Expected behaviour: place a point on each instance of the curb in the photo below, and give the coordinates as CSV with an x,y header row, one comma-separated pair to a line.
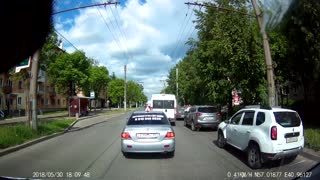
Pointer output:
x,y
29,143
309,154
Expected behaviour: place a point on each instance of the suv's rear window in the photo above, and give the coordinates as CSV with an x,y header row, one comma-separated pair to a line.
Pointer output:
x,y
287,119
148,119
208,109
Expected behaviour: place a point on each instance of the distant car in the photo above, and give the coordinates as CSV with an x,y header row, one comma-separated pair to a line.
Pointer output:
x,y
265,133
180,113
203,116
148,132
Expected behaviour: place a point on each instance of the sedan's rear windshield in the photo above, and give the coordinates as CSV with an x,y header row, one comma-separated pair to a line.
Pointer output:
x,y
208,109
148,119
287,119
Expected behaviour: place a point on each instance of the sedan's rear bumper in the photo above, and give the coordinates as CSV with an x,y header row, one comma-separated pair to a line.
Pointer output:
x,y
167,145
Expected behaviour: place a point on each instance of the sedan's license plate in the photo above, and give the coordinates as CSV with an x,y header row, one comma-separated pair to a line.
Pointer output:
x,y
209,118
292,139
148,135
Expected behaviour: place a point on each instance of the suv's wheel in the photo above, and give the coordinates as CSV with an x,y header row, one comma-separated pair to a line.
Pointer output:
x,y
221,140
254,157
193,127
185,123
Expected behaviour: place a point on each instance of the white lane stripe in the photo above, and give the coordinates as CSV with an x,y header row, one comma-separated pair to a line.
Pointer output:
x,y
297,163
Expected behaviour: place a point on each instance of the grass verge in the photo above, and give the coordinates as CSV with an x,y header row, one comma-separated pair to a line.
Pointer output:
x,y
18,134
312,138
118,111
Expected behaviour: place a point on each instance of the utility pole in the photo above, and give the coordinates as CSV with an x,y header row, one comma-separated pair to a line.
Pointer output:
x,y
164,85
177,76
33,89
270,75
267,54
125,88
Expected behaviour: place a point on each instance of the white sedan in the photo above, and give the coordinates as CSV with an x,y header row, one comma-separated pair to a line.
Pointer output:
x,y
148,132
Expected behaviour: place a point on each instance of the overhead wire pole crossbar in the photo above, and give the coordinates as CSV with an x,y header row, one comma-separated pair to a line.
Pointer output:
x,y
82,7
219,8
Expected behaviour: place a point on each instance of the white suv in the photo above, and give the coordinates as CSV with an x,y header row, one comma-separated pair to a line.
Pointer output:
x,y
264,133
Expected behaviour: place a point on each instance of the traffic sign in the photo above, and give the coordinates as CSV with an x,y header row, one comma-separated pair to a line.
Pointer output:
x,y
92,95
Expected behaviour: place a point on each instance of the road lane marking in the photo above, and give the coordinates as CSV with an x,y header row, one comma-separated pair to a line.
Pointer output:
x,y
297,163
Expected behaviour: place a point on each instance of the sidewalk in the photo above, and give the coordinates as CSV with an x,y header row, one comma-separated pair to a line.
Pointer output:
x,y
23,119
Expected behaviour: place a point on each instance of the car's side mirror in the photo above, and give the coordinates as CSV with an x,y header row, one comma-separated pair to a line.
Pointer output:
x,y
227,121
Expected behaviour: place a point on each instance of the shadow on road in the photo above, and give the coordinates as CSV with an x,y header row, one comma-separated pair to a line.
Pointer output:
x,y
147,156
242,156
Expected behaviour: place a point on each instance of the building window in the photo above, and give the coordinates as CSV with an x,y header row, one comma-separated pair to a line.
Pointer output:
x,y
0,101
20,84
64,102
19,100
1,81
58,101
9,82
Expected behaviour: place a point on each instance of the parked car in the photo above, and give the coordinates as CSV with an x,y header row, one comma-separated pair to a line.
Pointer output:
x,y
203,116
179,113
148,132
264,133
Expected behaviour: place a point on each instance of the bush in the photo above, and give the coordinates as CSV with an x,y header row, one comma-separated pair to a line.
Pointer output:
x,y
312,138
18,134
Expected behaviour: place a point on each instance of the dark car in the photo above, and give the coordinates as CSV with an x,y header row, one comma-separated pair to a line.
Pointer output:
x,y
203,116
179,113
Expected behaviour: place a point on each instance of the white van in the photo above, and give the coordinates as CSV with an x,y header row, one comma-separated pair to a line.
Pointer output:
x,y
166,103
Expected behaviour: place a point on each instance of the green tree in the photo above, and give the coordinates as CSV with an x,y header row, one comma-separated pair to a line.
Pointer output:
x,y
98,81
116,91
70,72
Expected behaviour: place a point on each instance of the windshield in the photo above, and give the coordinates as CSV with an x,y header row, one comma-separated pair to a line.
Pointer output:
x,y
148,119
78,76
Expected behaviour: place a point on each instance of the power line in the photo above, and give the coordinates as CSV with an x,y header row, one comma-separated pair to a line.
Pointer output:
x,y
105,22
174,52
66,39
189,35
121,33
181,32
124,35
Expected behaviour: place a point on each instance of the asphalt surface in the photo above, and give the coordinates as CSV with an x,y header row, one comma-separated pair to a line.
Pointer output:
x,y
91,150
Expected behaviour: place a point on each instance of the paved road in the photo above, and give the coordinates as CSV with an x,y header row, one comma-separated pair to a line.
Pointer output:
x,y
95,152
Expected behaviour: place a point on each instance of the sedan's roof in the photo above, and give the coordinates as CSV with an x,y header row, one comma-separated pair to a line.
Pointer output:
x,y
145,112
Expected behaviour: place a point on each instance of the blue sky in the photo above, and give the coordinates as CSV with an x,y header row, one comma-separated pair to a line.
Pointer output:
x,y
147,35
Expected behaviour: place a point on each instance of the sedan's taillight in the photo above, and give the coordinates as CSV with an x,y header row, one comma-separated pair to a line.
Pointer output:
x,y
125,135
198,114
274,133
170,135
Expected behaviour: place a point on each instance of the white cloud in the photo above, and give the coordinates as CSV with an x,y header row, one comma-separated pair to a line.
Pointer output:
x,y
151,31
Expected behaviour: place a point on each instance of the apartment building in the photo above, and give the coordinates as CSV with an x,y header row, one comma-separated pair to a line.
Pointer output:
x,y
13,94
